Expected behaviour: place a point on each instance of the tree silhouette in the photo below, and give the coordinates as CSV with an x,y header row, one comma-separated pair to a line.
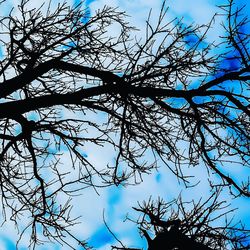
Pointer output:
x,y
62,68
189,225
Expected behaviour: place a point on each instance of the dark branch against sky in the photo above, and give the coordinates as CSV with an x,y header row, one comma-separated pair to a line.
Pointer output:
x,y
158,93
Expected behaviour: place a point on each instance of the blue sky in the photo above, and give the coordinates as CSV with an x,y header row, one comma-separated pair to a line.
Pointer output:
x,y
117,202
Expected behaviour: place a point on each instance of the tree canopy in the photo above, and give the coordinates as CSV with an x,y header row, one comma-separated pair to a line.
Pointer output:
x,y
187,225
166,99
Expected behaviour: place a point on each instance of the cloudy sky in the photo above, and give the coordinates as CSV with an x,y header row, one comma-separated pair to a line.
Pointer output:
x,y
117,202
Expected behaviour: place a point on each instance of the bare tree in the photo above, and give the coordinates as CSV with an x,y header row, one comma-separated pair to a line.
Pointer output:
x,y
157,93
189,225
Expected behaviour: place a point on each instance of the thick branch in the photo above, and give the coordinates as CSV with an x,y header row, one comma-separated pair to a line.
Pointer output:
x,y
229,76
10,109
